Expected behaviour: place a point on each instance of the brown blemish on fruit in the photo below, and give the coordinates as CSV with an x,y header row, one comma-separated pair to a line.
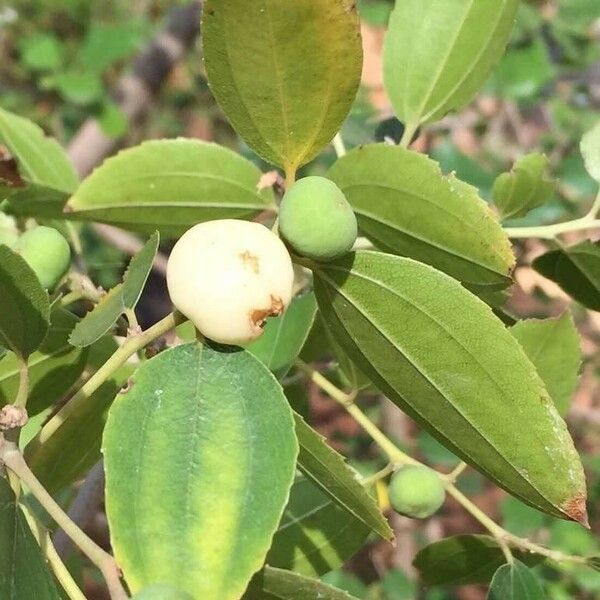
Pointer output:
x,y
575,508
259,316
250,262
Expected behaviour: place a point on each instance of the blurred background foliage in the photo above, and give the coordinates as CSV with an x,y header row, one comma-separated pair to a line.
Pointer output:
x,y
61,59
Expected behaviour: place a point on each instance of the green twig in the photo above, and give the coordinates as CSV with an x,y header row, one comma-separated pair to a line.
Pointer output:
x,y
550,232
290,176
23,392
456,472
58,567
13,460
339,146
382,474
132,319
505,540
82,283
119,358
72,297
408,134
395,455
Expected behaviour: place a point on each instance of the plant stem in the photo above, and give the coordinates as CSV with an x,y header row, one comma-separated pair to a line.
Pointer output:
x,y
58,567
505,539
549,232
339,146
395,455
290,176
498,532
555,555
23,392
408,134
456,472
382,474
71,297
83,284
119,358
13,459
132,319
593,212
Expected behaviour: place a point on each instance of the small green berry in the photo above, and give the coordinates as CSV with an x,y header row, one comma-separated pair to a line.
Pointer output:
x,y
316,220
416,492
47,253
161,592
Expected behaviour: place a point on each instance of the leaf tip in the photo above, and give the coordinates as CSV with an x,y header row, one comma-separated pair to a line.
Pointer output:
x,y
575,508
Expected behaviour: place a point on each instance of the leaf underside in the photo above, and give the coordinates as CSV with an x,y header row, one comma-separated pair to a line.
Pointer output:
x,y
468,382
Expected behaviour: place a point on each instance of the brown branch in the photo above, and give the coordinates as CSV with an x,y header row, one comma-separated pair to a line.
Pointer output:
x,y
135,91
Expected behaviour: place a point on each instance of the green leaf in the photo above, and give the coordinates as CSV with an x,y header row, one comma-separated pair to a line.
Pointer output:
x,y
327,469
467,381
523,72
590,150
468,169
79,87
123,297
349,582
520,519
350,374
526,187
593,562
41,160
406,206
398,586
315,535
42,52
113,120
170,185
576,269
37,201
277,584
554,347
74,447
515,582
106,43
53,369
439,53
284,336
23,571
25,314
190,461
284,73
464,560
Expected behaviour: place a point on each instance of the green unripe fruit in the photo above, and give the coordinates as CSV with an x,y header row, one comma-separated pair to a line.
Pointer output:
x,y
316,220
47,253
416,492
161,592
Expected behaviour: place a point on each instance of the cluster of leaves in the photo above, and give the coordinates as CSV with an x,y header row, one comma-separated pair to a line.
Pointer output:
x,y
202,447
63,60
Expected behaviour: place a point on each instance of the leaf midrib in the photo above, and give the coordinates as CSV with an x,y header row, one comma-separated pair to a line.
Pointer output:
x,y
443,395
437,207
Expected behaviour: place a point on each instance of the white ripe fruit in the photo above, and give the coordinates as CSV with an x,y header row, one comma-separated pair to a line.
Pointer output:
x,y
228,276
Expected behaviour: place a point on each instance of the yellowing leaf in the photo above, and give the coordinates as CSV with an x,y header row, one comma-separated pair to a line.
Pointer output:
x,y
285,73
